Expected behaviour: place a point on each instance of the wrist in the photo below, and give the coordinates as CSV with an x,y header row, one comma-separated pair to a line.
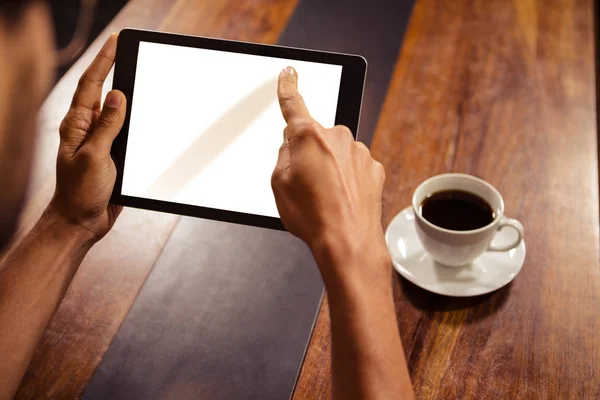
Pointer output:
x,y
357,276
352,262
63,229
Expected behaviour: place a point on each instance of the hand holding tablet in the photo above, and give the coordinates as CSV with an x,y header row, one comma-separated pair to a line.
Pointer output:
x,y
203,126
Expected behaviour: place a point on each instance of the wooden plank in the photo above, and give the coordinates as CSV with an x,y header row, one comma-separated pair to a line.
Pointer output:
x,y
372,28
503,90
114,271
314,381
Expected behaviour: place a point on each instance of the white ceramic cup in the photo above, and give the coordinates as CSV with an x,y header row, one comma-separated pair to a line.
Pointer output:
x,y
457,248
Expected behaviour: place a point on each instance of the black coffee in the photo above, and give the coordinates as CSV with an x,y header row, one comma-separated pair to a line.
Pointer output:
x,y
457,210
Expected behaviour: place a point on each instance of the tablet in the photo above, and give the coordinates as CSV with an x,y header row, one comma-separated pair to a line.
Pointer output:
x,y
203,125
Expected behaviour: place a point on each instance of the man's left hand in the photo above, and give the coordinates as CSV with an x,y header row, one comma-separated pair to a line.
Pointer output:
x,y
85,171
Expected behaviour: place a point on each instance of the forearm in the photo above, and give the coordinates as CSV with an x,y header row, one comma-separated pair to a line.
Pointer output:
x,y
33,281
367,357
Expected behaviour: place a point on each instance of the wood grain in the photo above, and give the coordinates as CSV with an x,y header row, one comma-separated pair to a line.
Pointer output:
x,y
114,271
503,90
314,381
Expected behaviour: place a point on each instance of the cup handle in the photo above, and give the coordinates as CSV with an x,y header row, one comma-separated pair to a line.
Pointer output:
x,y
512,223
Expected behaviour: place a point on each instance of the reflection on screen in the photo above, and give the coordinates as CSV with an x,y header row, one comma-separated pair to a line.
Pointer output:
x,y
206,128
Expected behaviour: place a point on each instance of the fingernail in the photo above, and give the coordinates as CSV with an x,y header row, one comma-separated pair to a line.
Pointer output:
x,y
289,70
113,100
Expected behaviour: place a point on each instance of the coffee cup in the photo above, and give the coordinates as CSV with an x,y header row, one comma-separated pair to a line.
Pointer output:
x,y
456,248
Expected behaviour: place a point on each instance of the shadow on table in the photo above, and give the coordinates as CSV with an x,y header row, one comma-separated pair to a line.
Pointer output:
x,y
481,306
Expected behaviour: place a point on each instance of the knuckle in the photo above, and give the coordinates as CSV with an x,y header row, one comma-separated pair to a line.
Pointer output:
x,y
288,78
276,178
102,56
287,98
107,120
288,131
74,120
342,134
345,131
360,146
86,155
63,127
380,169
306,128
285,146
88,79
295,177
291,180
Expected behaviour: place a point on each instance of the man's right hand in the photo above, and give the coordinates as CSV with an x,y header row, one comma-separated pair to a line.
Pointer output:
x,y
327,186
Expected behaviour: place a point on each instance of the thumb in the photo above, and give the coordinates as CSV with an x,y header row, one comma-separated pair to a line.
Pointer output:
x,y
110,121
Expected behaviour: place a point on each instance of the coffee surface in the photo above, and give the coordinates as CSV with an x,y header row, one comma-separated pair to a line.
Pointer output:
x,y
457,210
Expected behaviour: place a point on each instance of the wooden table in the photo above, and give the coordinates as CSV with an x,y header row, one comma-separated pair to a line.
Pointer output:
x,y
500,89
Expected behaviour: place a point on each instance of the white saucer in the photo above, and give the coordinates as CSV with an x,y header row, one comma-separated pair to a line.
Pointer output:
x,y
491,271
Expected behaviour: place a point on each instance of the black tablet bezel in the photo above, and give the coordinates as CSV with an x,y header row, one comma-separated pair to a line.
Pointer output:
x,y
347,113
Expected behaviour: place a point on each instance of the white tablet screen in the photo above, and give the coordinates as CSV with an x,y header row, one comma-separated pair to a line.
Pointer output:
x,y
205,125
